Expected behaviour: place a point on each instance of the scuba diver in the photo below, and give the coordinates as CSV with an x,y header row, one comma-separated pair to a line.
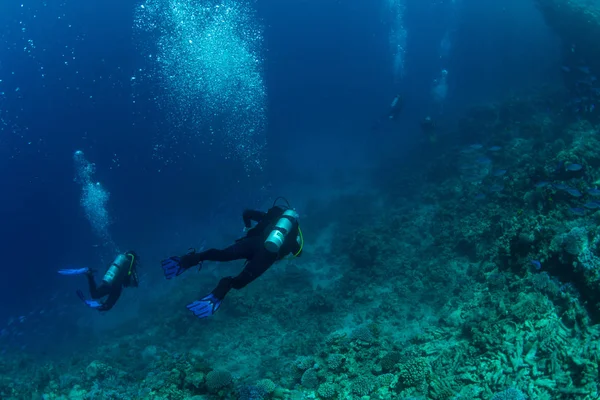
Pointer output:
x,y
396,107
276,235
121,273
428,128
393,114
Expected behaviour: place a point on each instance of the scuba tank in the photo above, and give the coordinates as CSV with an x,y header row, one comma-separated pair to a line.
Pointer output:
x,y
280,231
121,263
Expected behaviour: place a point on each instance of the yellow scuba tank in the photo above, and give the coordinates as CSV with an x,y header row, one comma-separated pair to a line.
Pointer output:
x,y
119,264
280,231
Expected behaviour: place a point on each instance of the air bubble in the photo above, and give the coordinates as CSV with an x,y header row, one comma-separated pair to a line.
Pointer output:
x,y
219,77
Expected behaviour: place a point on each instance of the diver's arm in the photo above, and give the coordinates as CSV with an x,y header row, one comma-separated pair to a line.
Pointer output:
x,y
112,299
252,215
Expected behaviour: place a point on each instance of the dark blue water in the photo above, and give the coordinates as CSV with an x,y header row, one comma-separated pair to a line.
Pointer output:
x,y
328,79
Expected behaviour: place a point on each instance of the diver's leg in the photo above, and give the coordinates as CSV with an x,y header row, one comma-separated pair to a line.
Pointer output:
x,y
209,304
253,269
244,249
97,291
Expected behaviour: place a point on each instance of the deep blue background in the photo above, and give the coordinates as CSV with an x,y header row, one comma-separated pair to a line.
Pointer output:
x,y
328,73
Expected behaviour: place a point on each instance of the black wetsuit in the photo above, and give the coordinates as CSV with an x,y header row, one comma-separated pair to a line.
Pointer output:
x,y
112,291
113,288
251,248
396,107
393,114
428,128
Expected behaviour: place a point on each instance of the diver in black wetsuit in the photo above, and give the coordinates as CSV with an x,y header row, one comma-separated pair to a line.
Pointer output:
x,y
276,235
429,128
396,107
393,114
120,274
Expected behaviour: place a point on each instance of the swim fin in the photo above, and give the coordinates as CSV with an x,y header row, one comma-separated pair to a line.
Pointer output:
x,y
89,303
205,307
173,267
78,271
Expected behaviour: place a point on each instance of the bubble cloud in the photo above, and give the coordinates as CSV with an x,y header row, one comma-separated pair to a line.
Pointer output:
x,y
206,60
94,199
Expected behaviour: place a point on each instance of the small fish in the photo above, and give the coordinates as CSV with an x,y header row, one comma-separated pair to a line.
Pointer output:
x,y
499,172
594,192
573,167
574,192
565,68
484,160
476,146
577,211
480,196
592,205
536,264
496,188
542,184
561,186
495,148
585,70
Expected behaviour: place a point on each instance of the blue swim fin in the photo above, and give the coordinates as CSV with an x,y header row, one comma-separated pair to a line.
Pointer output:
x,y
172,267
78,271
89,303
205,307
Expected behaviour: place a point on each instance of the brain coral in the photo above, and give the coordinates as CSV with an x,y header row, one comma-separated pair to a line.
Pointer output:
x,y
309,379
218,379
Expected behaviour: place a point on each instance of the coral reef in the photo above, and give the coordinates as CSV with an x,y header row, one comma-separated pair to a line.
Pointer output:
x,y
478,279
